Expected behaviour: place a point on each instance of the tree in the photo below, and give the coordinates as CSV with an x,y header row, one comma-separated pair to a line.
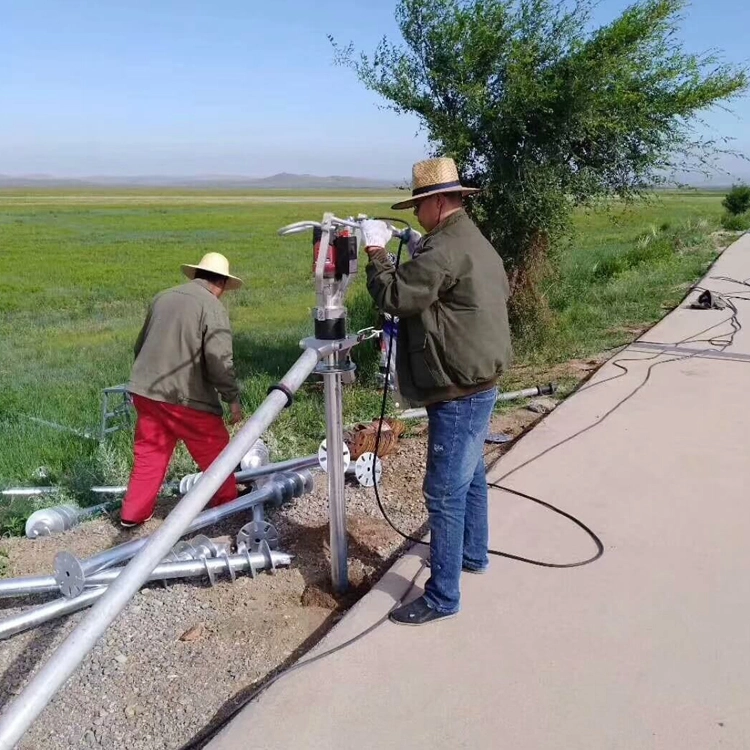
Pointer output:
x,y
737,200
544,113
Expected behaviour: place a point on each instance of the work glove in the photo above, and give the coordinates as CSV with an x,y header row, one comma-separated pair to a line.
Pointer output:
x,y
375,233
413,242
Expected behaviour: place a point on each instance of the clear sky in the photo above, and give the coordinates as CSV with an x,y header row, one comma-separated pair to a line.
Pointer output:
x,y
195,87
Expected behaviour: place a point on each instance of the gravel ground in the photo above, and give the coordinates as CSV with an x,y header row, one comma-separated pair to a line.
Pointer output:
x,y
178,659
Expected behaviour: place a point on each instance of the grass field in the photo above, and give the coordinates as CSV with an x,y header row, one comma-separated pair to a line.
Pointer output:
x,y
77,272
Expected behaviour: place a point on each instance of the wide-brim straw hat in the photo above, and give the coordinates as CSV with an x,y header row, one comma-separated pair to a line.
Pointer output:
x,y
214,263
431,177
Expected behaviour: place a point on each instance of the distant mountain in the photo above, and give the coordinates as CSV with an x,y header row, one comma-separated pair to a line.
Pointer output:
x,y
282,181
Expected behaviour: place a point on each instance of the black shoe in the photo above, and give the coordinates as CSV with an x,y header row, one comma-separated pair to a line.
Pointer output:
x,y
417,612
475,571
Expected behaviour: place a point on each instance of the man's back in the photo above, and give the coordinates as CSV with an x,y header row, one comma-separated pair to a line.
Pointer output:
x,y
184,351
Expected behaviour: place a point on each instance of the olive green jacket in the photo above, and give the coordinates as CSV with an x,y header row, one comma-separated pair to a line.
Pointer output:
x,y
183,354
451,300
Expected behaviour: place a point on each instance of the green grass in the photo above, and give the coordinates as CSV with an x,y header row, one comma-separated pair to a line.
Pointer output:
x,y
76,276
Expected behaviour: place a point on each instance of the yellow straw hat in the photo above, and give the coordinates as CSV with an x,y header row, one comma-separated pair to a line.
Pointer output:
x,y
431,177
214,263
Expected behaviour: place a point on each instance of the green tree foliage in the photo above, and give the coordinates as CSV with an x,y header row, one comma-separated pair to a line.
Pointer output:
x,y
544,112
737,200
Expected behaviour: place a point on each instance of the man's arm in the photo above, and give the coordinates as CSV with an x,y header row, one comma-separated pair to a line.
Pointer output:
x,y
410,289
217,351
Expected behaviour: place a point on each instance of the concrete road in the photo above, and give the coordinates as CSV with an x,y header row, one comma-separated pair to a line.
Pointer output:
x,y
649,647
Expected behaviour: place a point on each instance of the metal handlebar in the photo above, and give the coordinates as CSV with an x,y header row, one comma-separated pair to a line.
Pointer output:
x,y
304,226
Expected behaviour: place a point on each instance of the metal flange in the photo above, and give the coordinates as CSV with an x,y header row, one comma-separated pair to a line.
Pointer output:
x,y
252,535
204,547
69,575
323,456
368,469
343,367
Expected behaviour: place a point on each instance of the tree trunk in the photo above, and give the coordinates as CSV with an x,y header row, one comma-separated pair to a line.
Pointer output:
x,y
529,308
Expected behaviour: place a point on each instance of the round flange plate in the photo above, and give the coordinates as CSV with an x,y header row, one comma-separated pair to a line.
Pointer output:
x,y
69,575
183,551
203,546
323,456
253,534
363,469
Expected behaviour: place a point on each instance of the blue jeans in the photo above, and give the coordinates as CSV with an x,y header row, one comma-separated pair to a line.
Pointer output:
x,y
455,490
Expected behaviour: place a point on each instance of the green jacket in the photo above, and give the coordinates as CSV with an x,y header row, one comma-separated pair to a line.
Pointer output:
x,y
183,354
454,338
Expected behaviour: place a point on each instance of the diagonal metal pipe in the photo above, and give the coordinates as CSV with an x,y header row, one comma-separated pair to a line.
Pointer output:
x,y
282,488
20,714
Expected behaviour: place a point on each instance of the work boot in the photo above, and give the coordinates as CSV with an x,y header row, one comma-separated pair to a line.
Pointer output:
x,y
417,612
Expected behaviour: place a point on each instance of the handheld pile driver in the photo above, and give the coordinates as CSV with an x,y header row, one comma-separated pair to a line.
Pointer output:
x,y
336,244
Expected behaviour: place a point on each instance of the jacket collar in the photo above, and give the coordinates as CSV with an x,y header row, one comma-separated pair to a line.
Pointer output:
x,y
202,283
449,222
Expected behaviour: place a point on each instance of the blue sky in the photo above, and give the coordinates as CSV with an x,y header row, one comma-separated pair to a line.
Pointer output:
x,y
230,86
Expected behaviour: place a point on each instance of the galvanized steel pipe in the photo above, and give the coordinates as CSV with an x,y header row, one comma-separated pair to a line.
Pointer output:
x,y
29,491
241,477
35,616
210,566
537,390
281,488
21,713
336,496
230,565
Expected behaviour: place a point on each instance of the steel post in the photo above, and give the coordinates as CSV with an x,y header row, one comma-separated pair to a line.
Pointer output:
x,y
35,616
335,459
537,390
21,713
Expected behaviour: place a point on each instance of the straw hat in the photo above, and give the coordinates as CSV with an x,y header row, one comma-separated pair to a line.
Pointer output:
x,y
215,263
432,177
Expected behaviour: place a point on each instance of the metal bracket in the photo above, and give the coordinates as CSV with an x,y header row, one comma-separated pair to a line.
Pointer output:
x,y
343,367
324,347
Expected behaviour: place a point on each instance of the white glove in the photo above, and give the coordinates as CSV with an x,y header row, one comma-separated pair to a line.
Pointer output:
x,y
375,233
414,243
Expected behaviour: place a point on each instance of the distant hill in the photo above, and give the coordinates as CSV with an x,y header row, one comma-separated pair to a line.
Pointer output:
x,y
282,181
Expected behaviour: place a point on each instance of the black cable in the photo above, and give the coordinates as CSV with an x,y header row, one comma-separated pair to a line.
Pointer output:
x,y
497,553
597,541
383,408
719,342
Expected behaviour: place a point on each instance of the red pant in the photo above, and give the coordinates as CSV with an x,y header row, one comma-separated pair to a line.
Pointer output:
x,y
157,430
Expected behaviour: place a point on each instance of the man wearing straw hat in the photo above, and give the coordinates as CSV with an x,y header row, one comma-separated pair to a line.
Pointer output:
x,y
183,363
454,342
